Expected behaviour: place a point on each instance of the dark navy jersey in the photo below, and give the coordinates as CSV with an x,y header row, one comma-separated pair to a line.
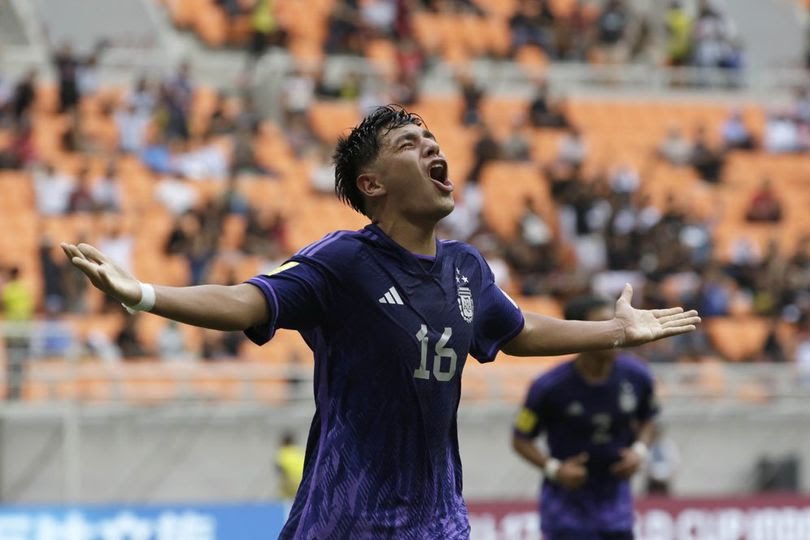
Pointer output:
x,y
600,419
390,332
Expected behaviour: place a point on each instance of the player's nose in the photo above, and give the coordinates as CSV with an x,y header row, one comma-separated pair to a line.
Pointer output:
x,y
430,148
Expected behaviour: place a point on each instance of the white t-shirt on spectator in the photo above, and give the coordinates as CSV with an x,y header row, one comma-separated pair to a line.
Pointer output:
x,y
118,249
52,192
132,128
176,195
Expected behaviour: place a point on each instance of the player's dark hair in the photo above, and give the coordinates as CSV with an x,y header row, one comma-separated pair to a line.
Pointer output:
x,y
356,151
581,307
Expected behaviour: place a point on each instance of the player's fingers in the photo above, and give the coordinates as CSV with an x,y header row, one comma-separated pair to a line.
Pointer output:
x,y
89,268
691,314
71,251
658,313
676,331
686,321
92,253
627,293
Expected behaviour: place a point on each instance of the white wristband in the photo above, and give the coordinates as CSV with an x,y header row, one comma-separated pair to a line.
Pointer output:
x,y
551,468
640,449
147,301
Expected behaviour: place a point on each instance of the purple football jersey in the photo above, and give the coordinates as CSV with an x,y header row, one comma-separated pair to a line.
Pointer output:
x,y
599,419
390,332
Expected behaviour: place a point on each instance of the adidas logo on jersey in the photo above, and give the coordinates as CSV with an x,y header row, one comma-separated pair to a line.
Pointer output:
x,y
391,297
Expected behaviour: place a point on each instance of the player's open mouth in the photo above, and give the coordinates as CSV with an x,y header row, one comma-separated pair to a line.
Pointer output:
x,y
438,173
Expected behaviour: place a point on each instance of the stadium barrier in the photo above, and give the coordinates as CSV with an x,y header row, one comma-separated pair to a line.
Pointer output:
x,y
762,517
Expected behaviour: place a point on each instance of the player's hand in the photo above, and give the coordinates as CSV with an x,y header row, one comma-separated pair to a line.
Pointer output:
x,y
641,325
628,465
103,273
572,472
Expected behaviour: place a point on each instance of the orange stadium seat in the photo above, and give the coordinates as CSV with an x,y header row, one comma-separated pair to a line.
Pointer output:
x,y
737,338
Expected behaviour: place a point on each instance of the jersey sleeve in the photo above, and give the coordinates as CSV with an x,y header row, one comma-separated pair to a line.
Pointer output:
x,y
497,318
529,420
297,295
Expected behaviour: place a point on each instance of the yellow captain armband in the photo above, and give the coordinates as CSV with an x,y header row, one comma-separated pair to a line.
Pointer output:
x,y
526,421
285,266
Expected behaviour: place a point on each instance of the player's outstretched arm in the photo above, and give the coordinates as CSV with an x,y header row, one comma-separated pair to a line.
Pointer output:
x,y
546,336
220,307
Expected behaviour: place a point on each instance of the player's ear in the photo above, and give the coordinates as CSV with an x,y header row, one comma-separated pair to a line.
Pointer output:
x,y
370,185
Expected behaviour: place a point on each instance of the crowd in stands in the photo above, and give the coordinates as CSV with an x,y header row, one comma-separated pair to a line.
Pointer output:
x,y
603,227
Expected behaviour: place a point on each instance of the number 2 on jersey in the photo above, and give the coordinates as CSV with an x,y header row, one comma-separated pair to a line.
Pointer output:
x,y
441,350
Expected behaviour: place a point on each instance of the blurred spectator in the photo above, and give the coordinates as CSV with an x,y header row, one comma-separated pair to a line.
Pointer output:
x,y
801,354
117,244
67,64
612,31
17,308
221,121
20,152
157,156
17,298
782,134
129,341
142,98
675,148
712,33
206,161
773,350
572,149
532,24
662,462
171,344
106,190
706,160
132,123
266,233
679,34
176,194
289,464
76,138
297,94
322,176
81,196
736,134
543,112
232,200
625,179
471,96
24,95
53,337
221,345
486,149
52,190
378,17
716,292
176,95
343,34
244,160
534,231
52,274
266,30
765,205
517,146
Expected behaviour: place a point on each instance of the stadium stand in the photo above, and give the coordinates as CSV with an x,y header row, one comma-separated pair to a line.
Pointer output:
x,y
280,211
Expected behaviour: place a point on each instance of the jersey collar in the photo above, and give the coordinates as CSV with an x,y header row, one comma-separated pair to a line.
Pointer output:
x,y
410,260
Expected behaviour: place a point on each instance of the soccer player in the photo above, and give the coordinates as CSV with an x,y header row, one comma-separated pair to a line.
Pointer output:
x,y
391,314
597,413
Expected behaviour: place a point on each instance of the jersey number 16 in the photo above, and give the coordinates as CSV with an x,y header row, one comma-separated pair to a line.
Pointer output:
x,y
442,351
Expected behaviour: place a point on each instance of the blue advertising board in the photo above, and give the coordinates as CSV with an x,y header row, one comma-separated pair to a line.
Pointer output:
x,y
159,522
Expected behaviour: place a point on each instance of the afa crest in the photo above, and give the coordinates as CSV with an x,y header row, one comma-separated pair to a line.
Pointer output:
x,y
465,300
